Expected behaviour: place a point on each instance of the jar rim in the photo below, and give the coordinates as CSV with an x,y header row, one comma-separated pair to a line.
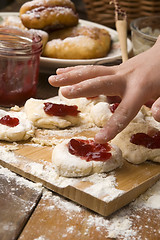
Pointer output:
x,y
19,42
134,26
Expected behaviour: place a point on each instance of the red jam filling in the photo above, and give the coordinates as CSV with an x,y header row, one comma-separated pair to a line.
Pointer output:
x,y
143,139
18,80
61,110
89,150
113,107
9,121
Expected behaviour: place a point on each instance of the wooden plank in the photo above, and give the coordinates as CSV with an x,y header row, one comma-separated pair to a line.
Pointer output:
x,y
56,218
18,199
132,179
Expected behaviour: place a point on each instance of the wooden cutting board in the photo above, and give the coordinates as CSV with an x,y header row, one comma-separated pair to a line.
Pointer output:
x,y
132,179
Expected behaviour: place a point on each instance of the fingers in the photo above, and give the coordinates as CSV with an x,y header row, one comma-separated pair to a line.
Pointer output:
x,y
156,110
67,69
126,111
73,75
106,85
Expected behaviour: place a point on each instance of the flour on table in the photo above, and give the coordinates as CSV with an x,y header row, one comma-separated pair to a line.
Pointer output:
x,y
98,189
151,199
23,131
19,180
119,225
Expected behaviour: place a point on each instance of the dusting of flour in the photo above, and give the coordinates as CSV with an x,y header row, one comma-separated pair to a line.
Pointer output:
x,y
119,225
104,186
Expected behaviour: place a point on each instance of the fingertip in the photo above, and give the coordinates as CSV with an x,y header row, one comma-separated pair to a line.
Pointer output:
x,y
60,70
51,79
67,91
101,138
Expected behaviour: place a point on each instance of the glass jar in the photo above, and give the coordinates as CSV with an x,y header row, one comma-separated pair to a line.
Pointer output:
x,y
144,33
19,65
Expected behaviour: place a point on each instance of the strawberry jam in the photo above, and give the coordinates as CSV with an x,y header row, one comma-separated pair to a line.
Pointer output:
x,y
113,107
89,150
9,121
61,110
143,139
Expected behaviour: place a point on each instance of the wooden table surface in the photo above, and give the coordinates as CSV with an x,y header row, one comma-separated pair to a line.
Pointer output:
x,y
30,212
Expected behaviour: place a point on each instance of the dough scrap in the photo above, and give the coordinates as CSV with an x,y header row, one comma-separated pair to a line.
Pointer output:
x,y
36,114
23,131
69,165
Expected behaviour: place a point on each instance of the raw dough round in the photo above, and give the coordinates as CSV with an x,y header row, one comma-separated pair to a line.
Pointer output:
x,y
36,114
69,165
135,153
23,131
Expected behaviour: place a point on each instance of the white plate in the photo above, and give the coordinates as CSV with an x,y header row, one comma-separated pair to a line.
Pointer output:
x,y
49,65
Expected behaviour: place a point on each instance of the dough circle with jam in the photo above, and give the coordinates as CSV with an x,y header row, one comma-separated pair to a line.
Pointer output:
x,y
69,165
133,153
34,109
23,131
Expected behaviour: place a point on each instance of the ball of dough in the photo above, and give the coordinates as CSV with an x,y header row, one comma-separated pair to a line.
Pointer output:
x,y
100,113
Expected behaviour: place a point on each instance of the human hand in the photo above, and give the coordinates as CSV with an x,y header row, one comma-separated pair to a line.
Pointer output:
x,y
135,81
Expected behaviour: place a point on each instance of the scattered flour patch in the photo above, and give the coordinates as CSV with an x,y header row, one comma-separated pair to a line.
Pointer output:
x,y
41,238
150,199
19,180
61,203
104,187
7,156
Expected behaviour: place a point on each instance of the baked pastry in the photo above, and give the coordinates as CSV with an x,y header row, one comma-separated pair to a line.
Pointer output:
x,y
79,42
48,14
13,21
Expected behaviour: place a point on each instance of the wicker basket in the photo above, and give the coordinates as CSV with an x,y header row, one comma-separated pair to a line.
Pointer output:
x,y
101,11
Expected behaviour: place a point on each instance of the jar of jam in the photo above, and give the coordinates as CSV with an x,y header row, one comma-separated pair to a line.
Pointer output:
x,y
19,65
